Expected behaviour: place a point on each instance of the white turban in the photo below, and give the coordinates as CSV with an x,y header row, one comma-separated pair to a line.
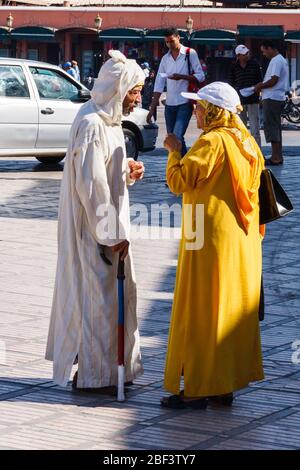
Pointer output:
x,y
219,93
116,77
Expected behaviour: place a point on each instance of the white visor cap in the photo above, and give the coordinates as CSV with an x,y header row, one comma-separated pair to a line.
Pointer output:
x,y
218,93
241,49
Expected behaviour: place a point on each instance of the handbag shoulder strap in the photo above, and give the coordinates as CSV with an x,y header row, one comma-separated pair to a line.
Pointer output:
x,y
187,52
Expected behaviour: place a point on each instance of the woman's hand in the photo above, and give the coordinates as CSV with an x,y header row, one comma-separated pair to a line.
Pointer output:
x,y
172,143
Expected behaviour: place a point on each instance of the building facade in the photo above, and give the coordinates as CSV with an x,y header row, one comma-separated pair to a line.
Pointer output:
x,y
56,33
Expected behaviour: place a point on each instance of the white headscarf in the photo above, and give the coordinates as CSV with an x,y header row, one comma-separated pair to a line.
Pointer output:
x,y
116,77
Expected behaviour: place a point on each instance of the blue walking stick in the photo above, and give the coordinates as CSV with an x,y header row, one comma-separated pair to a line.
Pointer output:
x,y
121,278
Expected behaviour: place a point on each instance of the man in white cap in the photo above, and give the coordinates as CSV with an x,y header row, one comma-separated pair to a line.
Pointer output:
x,y
245,73
93,229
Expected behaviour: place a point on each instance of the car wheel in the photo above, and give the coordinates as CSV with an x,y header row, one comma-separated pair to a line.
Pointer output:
x,y
50,160
131,143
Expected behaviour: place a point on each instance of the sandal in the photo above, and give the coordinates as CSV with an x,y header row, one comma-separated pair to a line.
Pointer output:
x,y
173,401
225,400
198,404
109,390
128,384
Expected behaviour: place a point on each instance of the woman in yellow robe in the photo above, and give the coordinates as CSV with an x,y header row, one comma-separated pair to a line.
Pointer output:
x,y
214,338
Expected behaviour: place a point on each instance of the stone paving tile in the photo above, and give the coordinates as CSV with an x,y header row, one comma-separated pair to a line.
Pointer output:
x,y
149,377
104,445
292,420
150,397
274,435
279,369
288,384
270,397
209,421
156,364
136,413
236,444
152,326
29,347
22,376
6,387
27,438
284,356
83,426
13,358
61,401
16,413
250,410
163,438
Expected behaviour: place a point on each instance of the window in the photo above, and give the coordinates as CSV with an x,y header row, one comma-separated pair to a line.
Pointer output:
x,y
13,82
33,54
87,64
52,85
4,52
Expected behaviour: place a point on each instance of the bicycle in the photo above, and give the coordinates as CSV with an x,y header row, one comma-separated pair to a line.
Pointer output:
x,y
291,111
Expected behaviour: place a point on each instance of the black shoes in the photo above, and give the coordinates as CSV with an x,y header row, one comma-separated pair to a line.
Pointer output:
x,y
177,403
225,400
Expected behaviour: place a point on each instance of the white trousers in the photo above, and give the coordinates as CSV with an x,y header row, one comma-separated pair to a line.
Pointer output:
x,y
251,113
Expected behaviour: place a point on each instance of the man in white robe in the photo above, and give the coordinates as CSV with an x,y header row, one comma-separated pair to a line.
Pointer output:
x,y
84,316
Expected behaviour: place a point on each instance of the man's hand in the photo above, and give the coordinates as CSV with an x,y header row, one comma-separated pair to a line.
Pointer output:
x,y
177,76
258,87
137,170
172,143
121,247
268,84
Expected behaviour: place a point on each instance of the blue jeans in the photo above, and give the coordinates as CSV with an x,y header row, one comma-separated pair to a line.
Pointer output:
x,y
177,121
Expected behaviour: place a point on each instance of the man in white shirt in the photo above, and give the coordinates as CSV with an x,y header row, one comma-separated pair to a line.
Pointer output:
x,y
174,71
76,68
273,90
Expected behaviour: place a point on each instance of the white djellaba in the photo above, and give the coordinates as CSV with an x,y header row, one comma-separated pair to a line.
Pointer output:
x,y
85,304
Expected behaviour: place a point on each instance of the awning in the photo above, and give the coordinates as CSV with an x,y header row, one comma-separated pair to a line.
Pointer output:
x,y
238,3
158,34
122,34
213,36
34,33
265,32
292,36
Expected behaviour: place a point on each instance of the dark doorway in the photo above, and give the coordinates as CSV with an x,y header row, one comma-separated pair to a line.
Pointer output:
x,y
53,53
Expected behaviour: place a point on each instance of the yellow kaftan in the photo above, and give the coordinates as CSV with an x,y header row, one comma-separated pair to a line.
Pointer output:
x,y
214,338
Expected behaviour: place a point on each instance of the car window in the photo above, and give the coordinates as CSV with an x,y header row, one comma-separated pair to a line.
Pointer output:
x,y
13,82
51,85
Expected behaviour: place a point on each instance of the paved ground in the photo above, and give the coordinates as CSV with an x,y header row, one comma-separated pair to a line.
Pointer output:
x,y
35,414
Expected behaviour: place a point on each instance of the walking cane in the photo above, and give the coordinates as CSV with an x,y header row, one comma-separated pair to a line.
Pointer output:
x,y
121,278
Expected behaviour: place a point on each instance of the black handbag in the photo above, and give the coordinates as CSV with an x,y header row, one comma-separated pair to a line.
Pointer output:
x,y
261,308
273,201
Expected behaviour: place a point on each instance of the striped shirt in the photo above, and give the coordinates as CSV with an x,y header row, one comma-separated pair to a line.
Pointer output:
x,y
244,77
